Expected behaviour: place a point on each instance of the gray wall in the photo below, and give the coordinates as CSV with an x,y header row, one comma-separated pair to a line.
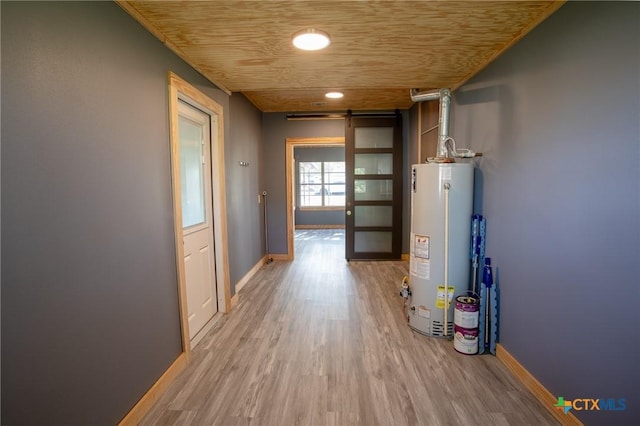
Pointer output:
x,y
317,217
275,130
89,293
244,214
557,118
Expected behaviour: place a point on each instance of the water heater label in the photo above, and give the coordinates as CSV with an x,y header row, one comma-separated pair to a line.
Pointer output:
x,y
420,268
440,296
424,312
421,246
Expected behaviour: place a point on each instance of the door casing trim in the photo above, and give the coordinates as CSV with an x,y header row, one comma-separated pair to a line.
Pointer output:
x,y
179,89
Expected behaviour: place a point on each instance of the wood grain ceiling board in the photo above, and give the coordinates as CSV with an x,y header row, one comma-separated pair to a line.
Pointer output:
x,y
299,100
379,50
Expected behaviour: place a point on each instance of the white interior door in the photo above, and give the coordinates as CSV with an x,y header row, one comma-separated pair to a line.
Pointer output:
x,y
194,127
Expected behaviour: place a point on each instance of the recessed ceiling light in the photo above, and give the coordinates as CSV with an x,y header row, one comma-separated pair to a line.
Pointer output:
x,y
311,39
334,95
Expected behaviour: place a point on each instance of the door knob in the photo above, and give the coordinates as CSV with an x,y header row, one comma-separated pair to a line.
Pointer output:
x,y
348,212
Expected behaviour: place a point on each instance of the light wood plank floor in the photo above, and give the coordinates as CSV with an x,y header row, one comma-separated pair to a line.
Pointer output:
x,y
319,341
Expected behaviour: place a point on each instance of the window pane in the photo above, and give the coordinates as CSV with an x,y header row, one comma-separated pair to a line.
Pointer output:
x,y
373,190
334,189
334,183
334,166
310,184
373,216
376,242
321,183
373,164
374,137
191,172
310,195
334,200
311,172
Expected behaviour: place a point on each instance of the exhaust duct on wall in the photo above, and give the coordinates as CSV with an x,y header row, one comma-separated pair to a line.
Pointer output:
x,y
444,95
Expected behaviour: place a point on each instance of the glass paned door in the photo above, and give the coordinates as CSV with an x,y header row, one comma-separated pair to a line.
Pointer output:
x,y
373,197
192,172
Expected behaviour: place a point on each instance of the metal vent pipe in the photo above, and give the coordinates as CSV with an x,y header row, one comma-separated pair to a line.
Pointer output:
x,y
444,95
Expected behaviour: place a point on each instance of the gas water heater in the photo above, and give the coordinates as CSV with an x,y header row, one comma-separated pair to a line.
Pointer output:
x,y
441,209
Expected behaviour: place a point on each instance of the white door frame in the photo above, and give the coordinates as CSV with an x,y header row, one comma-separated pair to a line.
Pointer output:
x,y
179,89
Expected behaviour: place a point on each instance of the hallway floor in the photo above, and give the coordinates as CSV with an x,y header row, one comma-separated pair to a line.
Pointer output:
x,y
319,341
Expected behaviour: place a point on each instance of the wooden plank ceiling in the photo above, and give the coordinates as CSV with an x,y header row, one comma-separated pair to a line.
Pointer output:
x,y
379,49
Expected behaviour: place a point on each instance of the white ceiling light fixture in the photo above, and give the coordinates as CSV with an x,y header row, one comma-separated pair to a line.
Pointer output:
x,y
311,39
334,95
